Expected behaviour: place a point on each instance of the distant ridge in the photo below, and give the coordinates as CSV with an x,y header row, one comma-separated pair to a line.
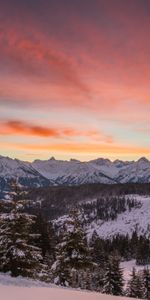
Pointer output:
x,y
73,172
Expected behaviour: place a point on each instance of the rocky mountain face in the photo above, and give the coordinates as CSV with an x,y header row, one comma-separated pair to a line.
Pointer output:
x,y
73,172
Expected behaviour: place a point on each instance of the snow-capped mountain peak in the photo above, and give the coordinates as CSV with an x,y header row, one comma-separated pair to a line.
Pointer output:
x,y
73,172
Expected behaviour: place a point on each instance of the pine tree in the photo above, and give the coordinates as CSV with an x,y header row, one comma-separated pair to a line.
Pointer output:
x,y
47,238
113,278
142,256
146,283
99,254
72,259
135,286
17,254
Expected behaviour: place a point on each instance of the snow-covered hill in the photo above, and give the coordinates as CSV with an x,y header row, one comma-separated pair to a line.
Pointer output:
x,y
73,172
127,222
19,288
137,219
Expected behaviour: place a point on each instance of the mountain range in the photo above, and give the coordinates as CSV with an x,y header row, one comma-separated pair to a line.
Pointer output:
x,y
74,172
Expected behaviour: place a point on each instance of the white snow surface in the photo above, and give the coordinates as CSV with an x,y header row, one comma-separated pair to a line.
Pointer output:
x,y
25,289
126,222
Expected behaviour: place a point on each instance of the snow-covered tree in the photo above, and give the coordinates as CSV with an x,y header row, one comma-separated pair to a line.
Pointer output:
x,y
113,278
135,286
146,283
73,256
18,254
99,255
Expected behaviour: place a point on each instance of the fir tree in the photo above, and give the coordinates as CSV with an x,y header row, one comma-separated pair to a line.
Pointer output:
x,y
135,287
17,254
47,238
72,259
146,283
142,256
99,254
113,278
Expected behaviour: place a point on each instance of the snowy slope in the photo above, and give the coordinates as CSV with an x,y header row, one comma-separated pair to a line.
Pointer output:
x,y
6,279
17,288
14,168
135,172
126,222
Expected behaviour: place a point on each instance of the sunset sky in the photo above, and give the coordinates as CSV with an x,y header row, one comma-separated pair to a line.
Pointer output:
x,y
75,79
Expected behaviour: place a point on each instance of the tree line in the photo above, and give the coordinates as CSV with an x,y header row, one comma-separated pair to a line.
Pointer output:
x,y
58,200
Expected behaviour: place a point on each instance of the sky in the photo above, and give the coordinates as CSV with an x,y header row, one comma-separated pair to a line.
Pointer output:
x,y
75,79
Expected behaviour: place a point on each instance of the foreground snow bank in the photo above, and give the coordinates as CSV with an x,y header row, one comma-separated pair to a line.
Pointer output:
x,y
43,293
25,289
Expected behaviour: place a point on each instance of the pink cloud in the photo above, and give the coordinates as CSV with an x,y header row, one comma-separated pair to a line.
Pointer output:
x,y
16,127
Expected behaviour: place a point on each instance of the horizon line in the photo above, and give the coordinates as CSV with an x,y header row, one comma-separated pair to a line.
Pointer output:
x,y
77,160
